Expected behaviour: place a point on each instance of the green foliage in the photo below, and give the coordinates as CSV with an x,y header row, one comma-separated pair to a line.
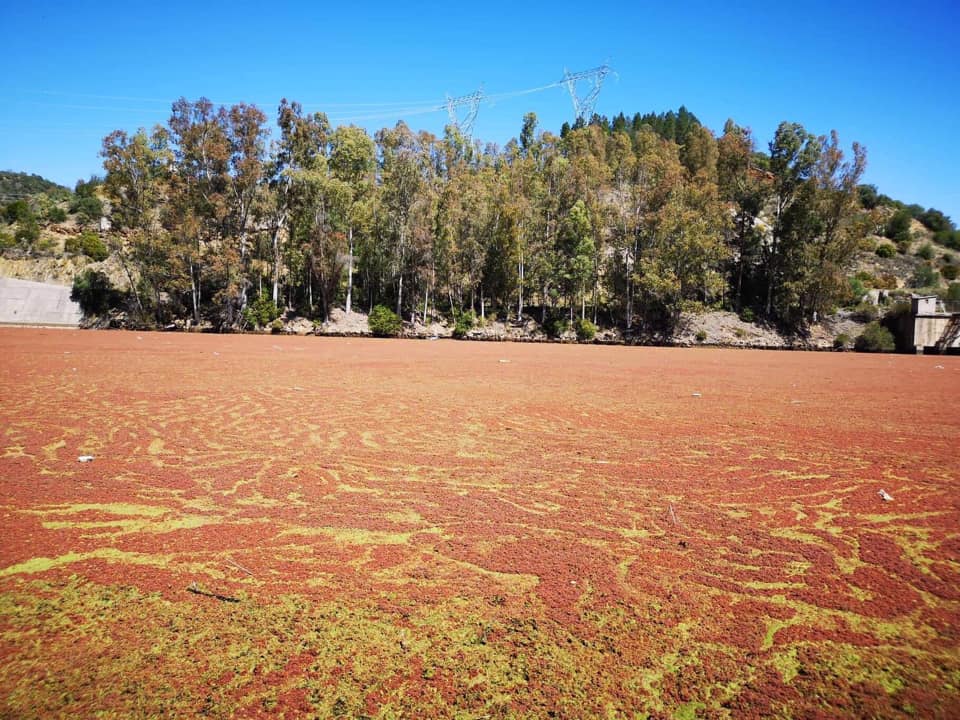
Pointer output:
x,y
7,240
276,327
865,312
841,341
925,276
898,227
950,238
886,250
28,232
384,322
88,208
585,329
857,289
701,336
261,312
953,291
464,323
56,214
88,243
868,196
949,272
747,315
875,338
900,309
557,327
935,221
18,211
926,251
93,290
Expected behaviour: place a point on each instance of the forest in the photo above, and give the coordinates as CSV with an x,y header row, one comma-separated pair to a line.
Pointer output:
x,y
626,222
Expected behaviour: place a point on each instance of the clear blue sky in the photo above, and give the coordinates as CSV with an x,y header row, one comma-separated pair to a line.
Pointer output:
x,y
886,74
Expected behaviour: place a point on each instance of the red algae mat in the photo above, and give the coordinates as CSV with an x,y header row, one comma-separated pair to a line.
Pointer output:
x,y
288,526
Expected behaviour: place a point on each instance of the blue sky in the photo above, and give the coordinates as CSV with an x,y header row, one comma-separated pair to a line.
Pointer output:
x,y
885,74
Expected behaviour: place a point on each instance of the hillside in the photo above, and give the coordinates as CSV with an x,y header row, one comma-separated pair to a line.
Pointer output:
x,y
16,185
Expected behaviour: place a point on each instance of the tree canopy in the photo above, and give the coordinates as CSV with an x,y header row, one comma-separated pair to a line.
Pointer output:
x,y
627,220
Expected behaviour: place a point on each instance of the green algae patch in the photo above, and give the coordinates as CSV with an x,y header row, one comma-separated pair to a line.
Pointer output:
x,y
126,526
109,508
353,536
42,564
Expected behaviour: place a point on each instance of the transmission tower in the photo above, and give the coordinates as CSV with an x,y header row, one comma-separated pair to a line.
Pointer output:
x,y
583,106
472,102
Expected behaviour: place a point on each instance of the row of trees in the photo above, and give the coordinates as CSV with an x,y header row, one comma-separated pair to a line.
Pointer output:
x,y
625,222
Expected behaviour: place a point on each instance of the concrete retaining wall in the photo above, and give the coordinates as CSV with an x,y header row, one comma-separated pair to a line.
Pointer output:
x,y
33,303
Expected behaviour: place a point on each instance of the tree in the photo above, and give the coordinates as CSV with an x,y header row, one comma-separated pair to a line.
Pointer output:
x,y
352,159
137,185
576,250
793,156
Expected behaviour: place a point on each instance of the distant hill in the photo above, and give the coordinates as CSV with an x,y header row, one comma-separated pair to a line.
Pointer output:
x,y
15,185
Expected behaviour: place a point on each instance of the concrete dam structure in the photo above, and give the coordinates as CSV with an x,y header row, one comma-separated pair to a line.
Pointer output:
x,y
23,302
934,325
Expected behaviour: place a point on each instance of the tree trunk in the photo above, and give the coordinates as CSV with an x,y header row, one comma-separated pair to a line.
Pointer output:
x,y
350,272
275,241
520,290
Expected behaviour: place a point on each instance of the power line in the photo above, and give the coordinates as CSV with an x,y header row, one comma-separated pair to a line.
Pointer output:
x,y
369,111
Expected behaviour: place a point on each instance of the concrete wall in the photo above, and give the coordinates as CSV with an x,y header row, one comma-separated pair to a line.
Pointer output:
x,y
33,303
928,330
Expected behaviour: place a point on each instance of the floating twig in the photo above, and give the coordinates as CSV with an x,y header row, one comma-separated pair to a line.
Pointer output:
x,y
238,566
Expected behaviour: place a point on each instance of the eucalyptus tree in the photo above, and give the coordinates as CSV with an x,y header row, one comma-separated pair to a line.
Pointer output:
x,y
137,184
794,154
352,161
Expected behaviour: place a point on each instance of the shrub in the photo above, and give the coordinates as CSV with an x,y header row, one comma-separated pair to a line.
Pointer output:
x,y
886,282
557,327
926,251
886,250
261,312
898,228
925,276
747,315
464,323
950,272
276,327
875,338
950,238
7,240
93,290
18,211
87,208
865,312
28,232
841,341
701,336
857,289
88,243
585,330
56,214
740,333
384,322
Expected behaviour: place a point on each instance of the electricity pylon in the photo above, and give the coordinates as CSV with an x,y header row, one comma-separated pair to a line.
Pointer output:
x,y
472,101
583,106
